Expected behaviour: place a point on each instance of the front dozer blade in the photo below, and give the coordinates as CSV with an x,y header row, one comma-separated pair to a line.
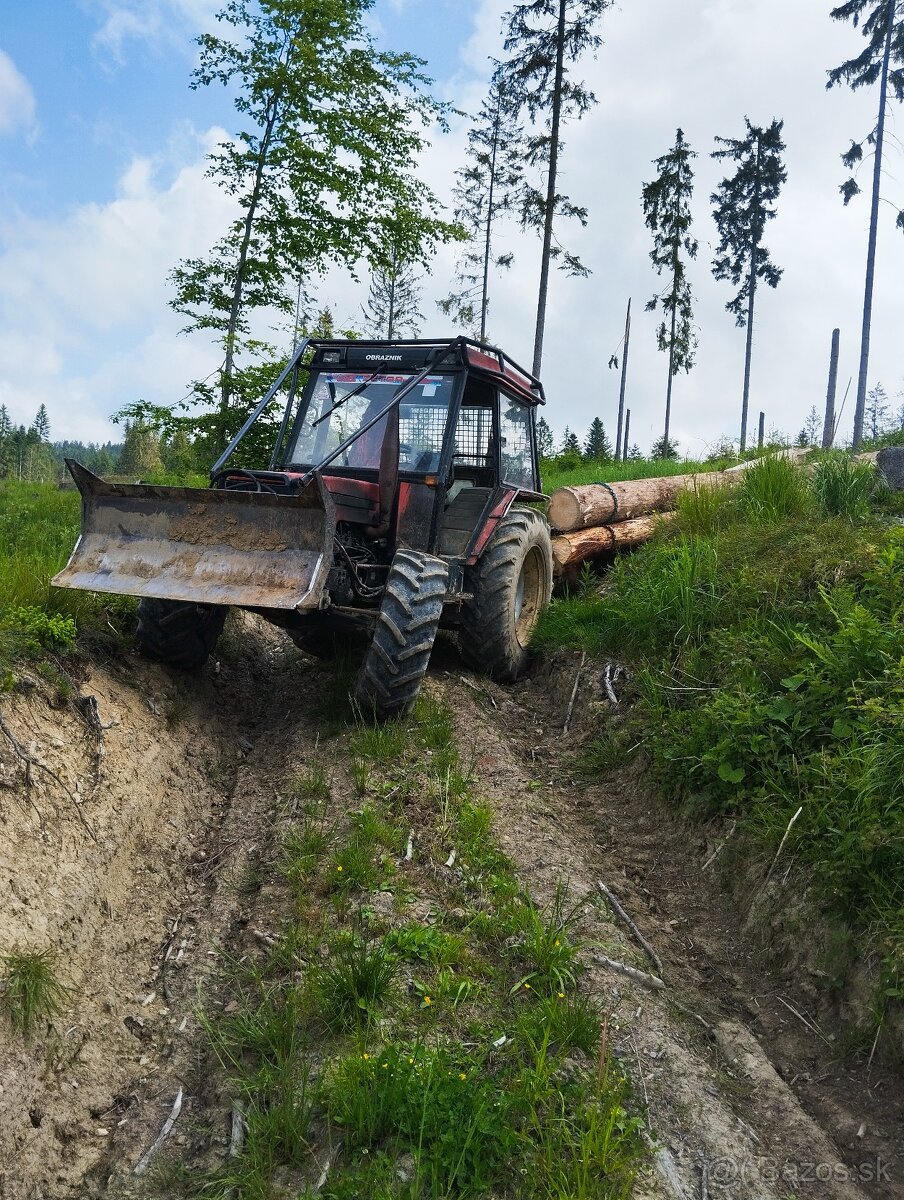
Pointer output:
x,y
209,546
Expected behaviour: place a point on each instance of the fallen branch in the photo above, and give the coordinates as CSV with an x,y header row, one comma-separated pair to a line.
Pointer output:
x,y
626,920
641,977
811,1025
574,692
781,845
721,846
142,1165
612,674
239,1129
330,1159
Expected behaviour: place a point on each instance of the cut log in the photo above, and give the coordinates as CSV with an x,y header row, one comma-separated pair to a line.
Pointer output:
x,y
607,503
579,544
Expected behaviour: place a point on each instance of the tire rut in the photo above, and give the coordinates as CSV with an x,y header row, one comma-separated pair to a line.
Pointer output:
x,y
716,1102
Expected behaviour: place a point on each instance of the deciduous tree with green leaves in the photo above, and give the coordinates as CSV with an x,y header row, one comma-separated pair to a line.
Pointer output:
x,y
322,169
545,38
744,202
881,61
486,187
667,211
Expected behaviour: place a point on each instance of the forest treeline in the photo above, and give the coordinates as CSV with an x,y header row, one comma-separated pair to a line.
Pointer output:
x,y
350,192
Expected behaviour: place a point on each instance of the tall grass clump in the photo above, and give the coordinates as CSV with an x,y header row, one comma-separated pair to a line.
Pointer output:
x,y
31,992
662,599
773,489
842,487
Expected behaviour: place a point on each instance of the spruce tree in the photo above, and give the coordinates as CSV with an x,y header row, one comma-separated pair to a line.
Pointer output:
x,y
666,206
664,448
743,204
487,186
392,305
876,411
570,443
881,61
545,440
41,424
6,448
545,38
597,448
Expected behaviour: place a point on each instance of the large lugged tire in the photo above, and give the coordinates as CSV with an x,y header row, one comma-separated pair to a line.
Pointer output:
x,y
397,657
510,587
178,633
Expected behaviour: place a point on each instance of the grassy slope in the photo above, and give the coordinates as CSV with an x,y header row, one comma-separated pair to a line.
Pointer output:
x,y
767,638
367,1028
39,525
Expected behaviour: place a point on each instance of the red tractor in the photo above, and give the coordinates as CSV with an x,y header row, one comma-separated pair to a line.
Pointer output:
x,y
397,497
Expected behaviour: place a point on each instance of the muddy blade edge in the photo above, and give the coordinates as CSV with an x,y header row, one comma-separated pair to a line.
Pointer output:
x,y
208,546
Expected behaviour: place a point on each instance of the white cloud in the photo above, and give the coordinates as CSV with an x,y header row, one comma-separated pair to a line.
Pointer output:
x,y
17,101
704,66
83,300
158,21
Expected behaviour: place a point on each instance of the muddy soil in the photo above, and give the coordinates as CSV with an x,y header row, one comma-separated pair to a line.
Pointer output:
x,y
137,827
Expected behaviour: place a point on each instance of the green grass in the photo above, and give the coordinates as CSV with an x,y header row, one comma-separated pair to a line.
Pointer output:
x,y
39,526
844,488
380,1033
766,631
31,993
555,475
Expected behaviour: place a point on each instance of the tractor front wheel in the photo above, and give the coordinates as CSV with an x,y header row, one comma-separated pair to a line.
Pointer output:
x,y
179,633
398,654
510,586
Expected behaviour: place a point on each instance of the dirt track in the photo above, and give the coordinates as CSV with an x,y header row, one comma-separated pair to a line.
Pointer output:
x,y
129,854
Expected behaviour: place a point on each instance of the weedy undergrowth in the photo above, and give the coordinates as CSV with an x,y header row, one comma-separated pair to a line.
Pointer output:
x,y
380,1031
31,993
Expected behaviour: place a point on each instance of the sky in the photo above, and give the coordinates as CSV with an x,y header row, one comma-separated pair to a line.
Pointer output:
x,y
103,189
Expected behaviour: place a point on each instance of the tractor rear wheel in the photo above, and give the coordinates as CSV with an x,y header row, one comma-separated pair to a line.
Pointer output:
x,y
179,633
510,586
398,654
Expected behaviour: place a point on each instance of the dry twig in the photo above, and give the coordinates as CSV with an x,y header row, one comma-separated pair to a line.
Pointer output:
x,y
142,1165
781,845
648,981
623,916
721,846
574,692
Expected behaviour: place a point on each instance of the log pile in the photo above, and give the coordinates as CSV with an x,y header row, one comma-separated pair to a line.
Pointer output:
x,y
598,518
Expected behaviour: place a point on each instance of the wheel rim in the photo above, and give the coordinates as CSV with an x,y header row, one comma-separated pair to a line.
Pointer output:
x,y
528,595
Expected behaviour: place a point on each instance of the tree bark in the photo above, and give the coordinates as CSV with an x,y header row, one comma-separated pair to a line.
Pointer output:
x,y
488,237
619,448
668,391
581,544
593,504
828,428
550,191
754,244
235,307
860,407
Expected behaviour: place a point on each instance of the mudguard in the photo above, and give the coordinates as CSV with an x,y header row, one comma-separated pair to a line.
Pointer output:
x,y
210,546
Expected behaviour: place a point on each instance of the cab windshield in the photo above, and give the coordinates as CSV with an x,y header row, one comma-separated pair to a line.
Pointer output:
x,y
339,404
